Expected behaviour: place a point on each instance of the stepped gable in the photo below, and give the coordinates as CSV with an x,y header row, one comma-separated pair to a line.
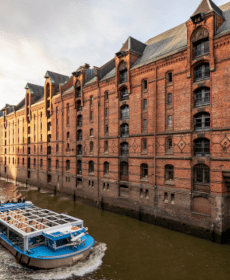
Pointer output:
x,y
207,6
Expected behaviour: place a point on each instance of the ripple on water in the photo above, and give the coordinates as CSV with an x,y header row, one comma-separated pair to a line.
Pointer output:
x,y
10,269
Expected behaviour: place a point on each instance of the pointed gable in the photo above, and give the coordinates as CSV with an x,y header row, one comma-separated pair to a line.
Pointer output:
x,y
207,6
133,45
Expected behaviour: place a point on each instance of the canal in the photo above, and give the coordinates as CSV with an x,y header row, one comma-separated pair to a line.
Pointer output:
x,y
128,249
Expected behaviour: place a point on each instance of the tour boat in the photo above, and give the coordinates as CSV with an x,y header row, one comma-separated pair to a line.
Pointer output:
x,y
41,238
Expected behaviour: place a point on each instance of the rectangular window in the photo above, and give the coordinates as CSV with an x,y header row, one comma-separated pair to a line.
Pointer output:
x,y
145,125
169,77
144,145
57,136
67,122
91,115
107,112
166,197
106,129
145,104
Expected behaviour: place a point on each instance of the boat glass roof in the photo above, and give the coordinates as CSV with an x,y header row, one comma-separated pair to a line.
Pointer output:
x,y
33,219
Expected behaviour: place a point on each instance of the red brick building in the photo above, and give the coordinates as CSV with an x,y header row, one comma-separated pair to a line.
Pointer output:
x,y
147,134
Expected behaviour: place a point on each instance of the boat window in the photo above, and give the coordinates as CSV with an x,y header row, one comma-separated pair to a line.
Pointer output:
x,y
36,241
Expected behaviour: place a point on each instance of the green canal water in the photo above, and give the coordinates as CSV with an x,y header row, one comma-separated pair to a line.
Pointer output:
x,y
128,249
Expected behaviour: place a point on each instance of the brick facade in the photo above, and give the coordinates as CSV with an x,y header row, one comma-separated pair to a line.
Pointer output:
x,y
173,161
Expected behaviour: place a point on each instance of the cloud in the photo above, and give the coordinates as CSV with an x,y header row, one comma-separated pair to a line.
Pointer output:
x,y
58,35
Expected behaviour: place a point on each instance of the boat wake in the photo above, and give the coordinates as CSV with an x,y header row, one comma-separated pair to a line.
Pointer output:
x,y
11,269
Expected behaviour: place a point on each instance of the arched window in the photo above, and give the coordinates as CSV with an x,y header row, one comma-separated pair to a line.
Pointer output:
x,y
79,149
201,174
78,88
124,168
106,168
124,149
79,167
91,132
123,72
202,147
57,148
79,135
144,170
124,93
67,148
124,112
124,130
200,42
201,72
202,97
68,165
170,99
169,172
91,167
202,121
79,120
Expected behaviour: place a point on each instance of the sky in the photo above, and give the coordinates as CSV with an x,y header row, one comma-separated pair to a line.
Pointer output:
x,y
60,36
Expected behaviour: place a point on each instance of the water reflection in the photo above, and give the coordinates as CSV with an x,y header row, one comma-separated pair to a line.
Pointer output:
x,y
129,249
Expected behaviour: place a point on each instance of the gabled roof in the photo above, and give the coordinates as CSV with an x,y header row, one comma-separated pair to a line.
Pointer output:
x,y
37,91
133,45
175,39
56,78
207,6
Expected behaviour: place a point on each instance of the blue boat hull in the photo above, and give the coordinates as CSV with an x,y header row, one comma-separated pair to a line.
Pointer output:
x,y
52,261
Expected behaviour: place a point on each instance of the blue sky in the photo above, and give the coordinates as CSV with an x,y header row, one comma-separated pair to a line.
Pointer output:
x,y
59,36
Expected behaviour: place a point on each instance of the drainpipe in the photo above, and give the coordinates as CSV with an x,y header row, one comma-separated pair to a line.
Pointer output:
x,y
155,137
98,103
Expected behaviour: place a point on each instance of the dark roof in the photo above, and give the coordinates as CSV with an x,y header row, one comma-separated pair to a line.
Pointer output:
x,y
133,45
37,91
20,105
207,6
175,39
56,78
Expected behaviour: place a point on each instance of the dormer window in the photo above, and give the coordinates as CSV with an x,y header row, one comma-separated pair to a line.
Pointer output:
x,y
200,42
122,72
201,72
78,89
197,18
124,94
201,48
